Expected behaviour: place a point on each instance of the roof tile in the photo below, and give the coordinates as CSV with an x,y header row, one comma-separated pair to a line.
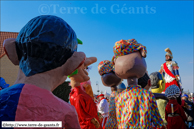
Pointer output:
x,y
3,36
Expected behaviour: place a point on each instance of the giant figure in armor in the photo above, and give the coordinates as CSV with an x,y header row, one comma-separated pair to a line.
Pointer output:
x,y
170,72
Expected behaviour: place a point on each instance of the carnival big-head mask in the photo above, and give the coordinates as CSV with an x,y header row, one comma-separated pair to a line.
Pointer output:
x,y
108,77
157,82
129,59
45,43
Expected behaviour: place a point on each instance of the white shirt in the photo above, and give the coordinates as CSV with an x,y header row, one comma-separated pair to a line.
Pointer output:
x,y
103,107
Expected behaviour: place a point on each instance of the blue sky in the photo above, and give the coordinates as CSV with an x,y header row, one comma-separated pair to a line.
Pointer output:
x,y
99,24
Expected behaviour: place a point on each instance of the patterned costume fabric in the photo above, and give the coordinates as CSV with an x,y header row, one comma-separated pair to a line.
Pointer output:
x,y
26,102
124,47
105,66
112,120
136,108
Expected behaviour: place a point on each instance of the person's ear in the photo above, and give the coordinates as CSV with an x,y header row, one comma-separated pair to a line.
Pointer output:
x,y
74,62
149,82
143,53
10,50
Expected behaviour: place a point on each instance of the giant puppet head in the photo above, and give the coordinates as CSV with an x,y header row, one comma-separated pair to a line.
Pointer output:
x,y
108,77
45,43
168,55
129,59
157,82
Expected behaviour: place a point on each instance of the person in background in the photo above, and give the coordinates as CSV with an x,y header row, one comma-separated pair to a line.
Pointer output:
x,y
112,120
121,87
188,108
174,113
157,86
144,82
103,107
170,72
108,77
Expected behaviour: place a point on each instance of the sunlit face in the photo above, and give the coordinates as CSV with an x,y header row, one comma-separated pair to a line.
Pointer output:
x,y
99,98
167,57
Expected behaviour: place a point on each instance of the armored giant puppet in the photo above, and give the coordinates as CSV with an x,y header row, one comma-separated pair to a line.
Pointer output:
x,y
170,71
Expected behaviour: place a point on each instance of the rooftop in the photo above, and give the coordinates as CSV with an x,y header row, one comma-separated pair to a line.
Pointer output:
x,y
3,36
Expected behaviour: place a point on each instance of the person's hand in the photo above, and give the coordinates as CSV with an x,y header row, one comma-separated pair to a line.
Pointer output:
x,y
96,123
82,74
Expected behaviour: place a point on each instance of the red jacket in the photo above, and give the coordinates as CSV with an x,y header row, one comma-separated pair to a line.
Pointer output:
x,y
176,122
85,107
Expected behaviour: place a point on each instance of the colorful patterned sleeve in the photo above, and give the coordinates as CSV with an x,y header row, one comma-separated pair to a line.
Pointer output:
x,y
156,118
175,69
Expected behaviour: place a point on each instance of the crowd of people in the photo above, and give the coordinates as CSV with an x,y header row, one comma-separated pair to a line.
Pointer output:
x,y
173,114
46,52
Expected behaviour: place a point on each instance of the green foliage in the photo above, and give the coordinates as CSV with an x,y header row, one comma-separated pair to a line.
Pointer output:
x,y
62,91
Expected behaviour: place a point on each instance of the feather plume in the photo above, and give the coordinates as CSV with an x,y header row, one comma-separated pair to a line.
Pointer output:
x,y
168,50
